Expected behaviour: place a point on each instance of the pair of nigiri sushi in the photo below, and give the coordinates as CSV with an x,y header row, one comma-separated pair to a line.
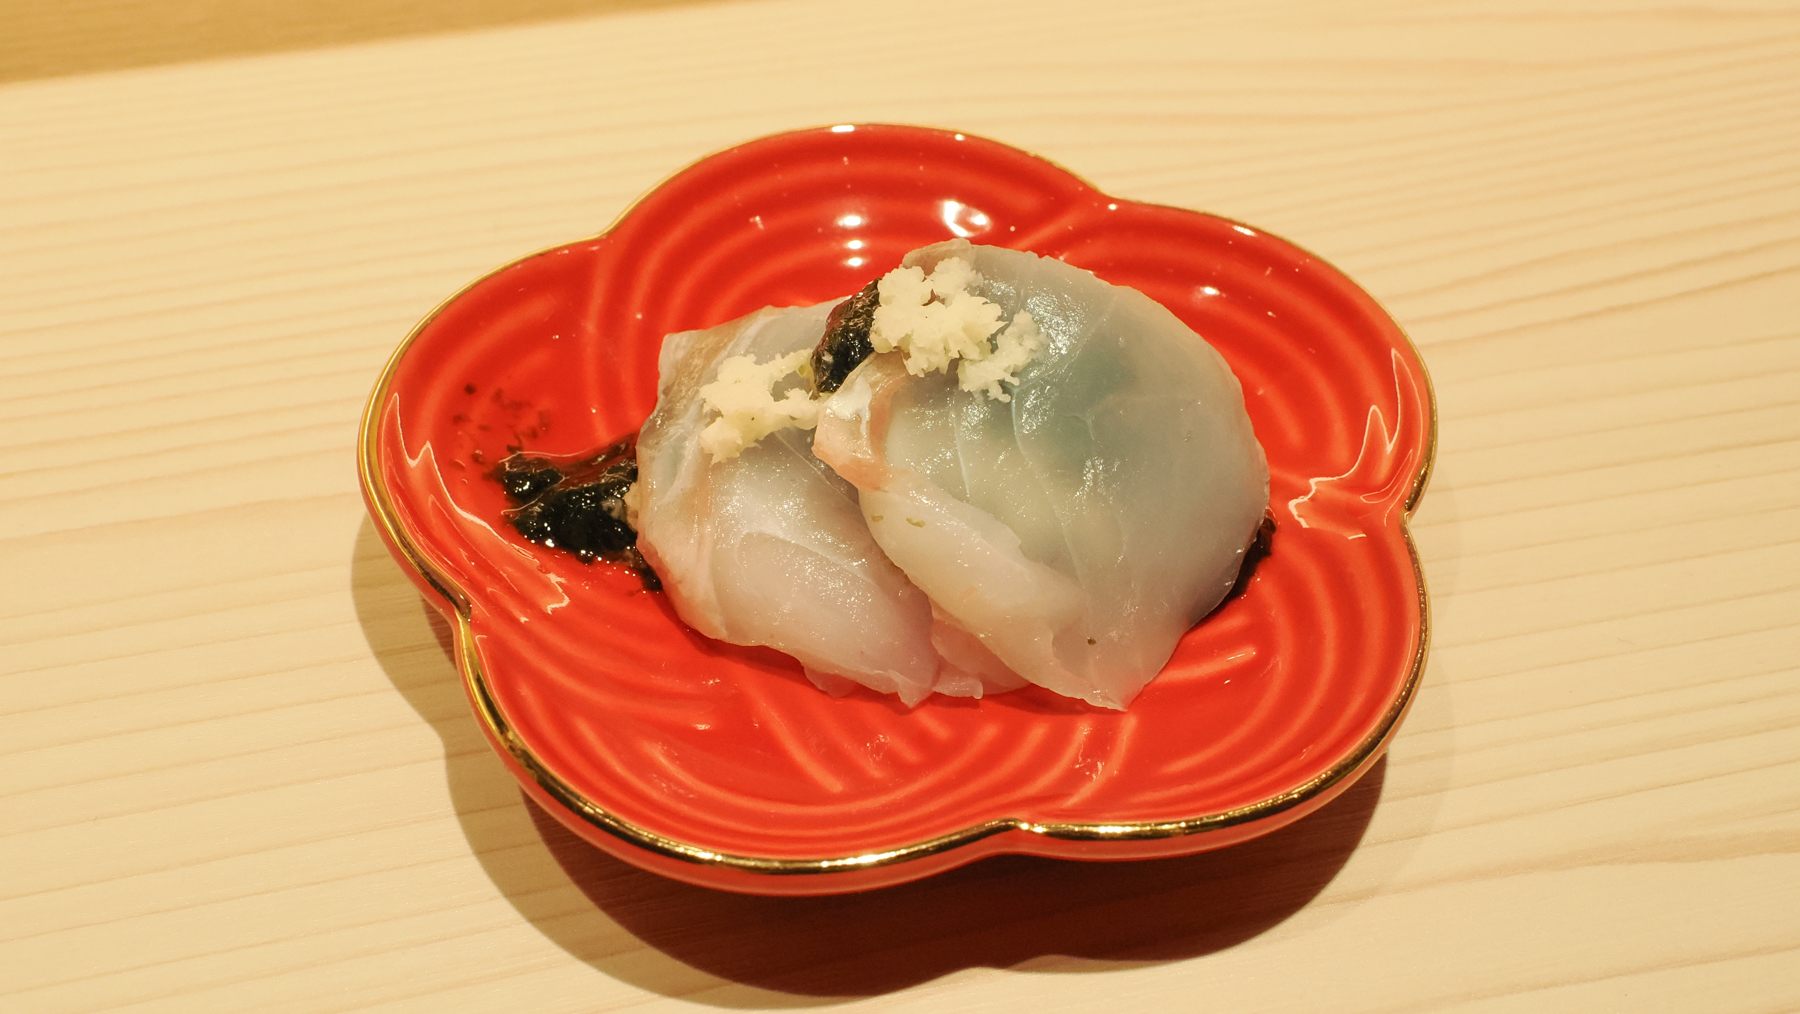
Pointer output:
x,y
1061,526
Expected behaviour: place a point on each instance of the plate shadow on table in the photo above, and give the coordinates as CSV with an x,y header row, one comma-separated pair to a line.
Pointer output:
x,y
732,950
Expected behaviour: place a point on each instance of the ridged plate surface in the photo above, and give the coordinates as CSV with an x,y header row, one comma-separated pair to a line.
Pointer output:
x,y
723,765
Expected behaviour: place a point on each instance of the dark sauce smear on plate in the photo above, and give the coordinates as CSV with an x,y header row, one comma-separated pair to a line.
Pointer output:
x,y
575,503
1261,545
846,342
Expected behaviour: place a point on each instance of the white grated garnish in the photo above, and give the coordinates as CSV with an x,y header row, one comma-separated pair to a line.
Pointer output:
x,y
743,394
935,323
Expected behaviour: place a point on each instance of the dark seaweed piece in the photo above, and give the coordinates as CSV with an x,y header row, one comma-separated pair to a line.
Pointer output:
x,y
575,503
581,518
846,342
641,567
1261,545
525,478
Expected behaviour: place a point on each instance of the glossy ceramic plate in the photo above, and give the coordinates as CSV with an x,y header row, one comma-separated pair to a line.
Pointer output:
x,y
722,765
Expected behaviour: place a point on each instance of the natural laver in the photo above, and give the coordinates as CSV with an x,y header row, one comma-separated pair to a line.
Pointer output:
x,y
984,470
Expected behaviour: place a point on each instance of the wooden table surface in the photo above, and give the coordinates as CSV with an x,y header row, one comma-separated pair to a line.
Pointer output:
x,y
239,773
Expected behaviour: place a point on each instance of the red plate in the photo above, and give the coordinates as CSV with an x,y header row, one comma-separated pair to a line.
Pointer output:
x,y
723,766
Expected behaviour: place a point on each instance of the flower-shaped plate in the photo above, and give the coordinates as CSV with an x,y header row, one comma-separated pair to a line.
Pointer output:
x,y
722,765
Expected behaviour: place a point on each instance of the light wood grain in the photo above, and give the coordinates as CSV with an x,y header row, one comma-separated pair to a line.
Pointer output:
x,y
238,773
83,36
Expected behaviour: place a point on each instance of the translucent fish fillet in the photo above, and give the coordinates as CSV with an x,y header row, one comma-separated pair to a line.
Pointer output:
x,y
770,548
1076,531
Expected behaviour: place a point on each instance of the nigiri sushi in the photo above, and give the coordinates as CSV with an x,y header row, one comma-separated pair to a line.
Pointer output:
x,y
756,541
984,470
1078,521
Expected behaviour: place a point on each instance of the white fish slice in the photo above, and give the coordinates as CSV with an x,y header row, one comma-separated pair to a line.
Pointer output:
x,y
1076,531
770,548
